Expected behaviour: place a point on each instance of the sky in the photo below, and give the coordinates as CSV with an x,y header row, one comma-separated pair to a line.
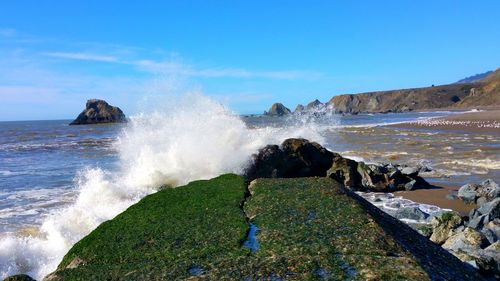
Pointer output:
x,y
54,55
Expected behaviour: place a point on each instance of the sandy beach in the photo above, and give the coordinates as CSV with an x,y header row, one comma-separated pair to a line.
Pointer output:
x,y
487,121
437,196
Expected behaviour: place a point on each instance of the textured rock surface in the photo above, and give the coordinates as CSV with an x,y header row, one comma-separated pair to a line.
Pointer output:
x,y
294,158
98,112
309,229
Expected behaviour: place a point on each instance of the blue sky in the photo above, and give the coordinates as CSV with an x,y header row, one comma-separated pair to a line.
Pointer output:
x,y
54,55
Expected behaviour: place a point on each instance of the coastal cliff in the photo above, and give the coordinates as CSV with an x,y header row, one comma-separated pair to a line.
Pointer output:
x,y
97,112
477,91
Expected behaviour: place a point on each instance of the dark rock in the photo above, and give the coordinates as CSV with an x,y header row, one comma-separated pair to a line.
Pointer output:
x,y
478,221
345,170
412,213
19,277
277,109
295,158
98,112
492,231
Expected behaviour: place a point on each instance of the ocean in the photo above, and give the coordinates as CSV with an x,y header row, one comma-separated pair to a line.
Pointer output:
x,y
59,182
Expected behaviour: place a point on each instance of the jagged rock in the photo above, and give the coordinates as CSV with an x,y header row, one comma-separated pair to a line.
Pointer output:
x,y
295,158
411,213
492,231
299,109
97,112
491,208
487,191
19,277
345,170
487,262
465,240
478,221
444,226
277,109
316,104
468,193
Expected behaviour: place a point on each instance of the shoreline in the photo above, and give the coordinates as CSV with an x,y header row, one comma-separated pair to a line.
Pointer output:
x,y
487,121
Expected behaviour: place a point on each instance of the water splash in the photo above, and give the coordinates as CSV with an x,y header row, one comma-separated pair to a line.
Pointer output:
x,y
189,138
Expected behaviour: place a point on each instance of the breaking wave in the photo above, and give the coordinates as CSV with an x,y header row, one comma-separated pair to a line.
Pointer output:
x,y
190,138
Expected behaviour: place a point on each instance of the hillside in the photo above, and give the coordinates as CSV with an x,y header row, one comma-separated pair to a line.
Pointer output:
x,y
482,91
401,100
487,93
277,229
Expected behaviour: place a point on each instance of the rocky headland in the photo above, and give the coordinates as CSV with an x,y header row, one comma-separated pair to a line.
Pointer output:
x,y
98,112
478,91
297,213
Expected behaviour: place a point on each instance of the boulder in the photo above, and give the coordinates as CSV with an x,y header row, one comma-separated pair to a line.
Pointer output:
x,y
294,158
491,208
98,112
411,213
466,240
345,170
491,231
277,109
482,193
468,193
444,226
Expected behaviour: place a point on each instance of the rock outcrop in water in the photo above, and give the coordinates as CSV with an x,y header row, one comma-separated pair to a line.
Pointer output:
x,y
277,109
97,112
294,158
301,158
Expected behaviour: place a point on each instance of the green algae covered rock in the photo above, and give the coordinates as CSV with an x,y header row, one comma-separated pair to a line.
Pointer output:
x,y
276,229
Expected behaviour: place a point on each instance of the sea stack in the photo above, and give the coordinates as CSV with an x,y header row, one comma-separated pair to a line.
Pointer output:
x,y
277,109
98,112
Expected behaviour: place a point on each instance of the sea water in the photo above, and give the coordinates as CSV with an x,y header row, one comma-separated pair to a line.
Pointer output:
x,y
59,182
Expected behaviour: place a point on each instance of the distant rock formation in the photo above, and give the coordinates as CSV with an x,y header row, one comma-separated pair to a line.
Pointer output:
x,y
277,109
97,112
482,90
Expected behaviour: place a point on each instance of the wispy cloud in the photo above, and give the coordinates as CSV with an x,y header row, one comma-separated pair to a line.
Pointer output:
x,y
83,57
223,72
7,32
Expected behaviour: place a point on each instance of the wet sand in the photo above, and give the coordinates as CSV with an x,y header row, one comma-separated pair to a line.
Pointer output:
x,y
469,122
437,196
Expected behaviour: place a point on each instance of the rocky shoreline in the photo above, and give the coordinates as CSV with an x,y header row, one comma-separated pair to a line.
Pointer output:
x,y
472,239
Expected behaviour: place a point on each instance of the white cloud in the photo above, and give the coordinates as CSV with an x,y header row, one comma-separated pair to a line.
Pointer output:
x,y
83,57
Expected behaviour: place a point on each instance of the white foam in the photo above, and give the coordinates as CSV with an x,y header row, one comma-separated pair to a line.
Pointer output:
x,y
191,138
